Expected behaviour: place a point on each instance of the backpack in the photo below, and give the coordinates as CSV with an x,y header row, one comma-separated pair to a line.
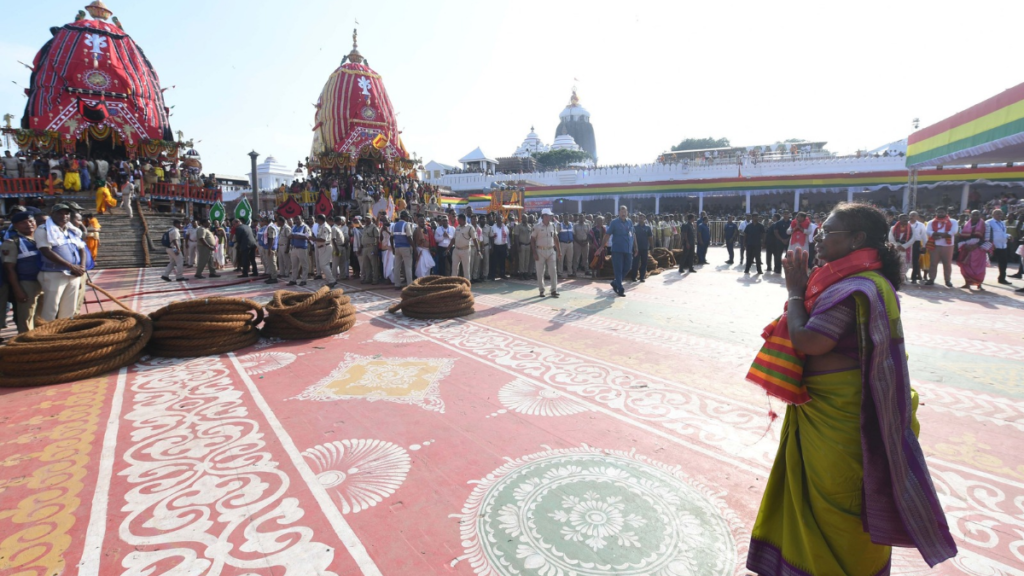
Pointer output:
x,y
166,239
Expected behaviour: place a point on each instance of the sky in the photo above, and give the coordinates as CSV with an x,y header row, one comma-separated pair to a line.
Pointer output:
x,y
462,74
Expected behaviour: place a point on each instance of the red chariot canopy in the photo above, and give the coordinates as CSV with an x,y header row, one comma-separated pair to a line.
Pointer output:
x,y
91,74
354,118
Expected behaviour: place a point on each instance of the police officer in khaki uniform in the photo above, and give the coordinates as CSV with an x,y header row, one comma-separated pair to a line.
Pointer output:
x,y
205,243
581,248
466,243
544,241
369,263
522,235
21,261
284,231
324,242
273,234
340,256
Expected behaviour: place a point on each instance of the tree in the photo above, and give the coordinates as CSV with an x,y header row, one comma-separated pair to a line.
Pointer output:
x,y
556,159
701,143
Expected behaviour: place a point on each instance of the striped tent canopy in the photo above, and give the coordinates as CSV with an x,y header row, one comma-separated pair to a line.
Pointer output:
x,y
91,80
991,132
355,119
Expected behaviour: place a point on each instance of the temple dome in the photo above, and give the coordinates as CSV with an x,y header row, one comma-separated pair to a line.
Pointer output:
x,y
573,109
532,144
565,142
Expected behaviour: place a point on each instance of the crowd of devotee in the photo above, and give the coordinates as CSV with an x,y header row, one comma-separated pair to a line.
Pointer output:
x,y
46,257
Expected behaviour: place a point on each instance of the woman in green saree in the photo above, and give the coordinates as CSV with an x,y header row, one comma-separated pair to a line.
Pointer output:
x,y
849,480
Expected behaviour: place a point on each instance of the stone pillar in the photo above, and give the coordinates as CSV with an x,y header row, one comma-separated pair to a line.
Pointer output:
x,y
849,194
796,200
906,199
657,203
616,211
700,203
963,196
748,201
579,206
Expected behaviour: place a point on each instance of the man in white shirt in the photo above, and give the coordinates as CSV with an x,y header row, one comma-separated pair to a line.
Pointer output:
x,y
192,243
996,230
499,252
941,231
63,262
443,235
919,237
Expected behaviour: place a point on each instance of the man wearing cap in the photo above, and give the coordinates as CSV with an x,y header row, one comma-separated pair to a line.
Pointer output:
x,y
284,233
174,257
340,254
206,243
63,262
324,241
298,250
21,265
271,236
401,233
545,244
466,243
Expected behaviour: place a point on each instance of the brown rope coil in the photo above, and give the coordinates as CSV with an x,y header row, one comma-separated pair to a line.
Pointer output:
x,y
75,348
204,327
665,258
302,315
436,297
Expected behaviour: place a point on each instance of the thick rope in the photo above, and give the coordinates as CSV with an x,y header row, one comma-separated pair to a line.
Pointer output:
x,y
304,315
74,348
108,295
205,327
436,297
664,257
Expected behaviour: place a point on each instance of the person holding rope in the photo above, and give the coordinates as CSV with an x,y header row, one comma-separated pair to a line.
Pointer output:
x,y
324,241
63,262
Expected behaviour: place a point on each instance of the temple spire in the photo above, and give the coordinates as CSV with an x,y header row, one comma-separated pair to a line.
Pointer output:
x,y
354,55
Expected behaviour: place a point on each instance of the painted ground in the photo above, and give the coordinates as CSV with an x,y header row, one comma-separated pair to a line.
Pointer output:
x,y
585,435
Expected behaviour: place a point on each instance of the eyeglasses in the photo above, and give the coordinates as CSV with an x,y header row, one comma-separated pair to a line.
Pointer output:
x,y
824,233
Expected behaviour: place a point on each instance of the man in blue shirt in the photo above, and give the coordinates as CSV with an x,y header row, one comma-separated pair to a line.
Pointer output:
x,y
623,238
703,240
644,237
731,230
565,241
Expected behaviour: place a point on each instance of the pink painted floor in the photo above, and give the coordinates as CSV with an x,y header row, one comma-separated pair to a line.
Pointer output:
x,y
584,435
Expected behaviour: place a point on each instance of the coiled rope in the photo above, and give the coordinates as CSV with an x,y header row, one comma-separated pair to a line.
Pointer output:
x,y
301,315
74,348
436,297
664,257
204,327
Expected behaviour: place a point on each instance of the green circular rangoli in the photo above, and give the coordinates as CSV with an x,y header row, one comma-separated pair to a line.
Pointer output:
x,y
594,512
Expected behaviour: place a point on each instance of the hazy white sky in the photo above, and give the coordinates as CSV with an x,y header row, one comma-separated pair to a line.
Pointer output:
x,y
463,74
